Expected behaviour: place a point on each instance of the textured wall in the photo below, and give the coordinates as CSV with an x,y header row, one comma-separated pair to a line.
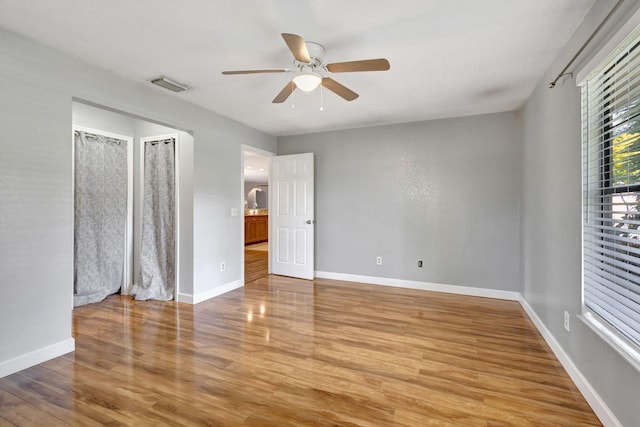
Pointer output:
x,y
444,191
551,225
36,245
36,206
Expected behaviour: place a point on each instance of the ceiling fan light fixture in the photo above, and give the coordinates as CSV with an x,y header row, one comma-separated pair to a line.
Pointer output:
x,y
308,81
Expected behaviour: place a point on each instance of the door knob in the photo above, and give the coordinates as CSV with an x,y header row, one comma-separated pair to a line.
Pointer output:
x,y
310,222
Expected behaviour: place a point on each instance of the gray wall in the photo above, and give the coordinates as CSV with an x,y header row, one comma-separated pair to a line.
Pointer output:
x,y
551,225
444,191
36,210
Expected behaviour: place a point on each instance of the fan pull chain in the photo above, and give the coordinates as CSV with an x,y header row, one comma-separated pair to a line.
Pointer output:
x,y
321,107
293,96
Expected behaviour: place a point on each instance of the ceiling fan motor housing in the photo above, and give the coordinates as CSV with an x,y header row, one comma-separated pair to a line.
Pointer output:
x,y
317,54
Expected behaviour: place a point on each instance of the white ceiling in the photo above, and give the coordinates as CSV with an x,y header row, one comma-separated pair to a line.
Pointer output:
x,y
448,58
256,167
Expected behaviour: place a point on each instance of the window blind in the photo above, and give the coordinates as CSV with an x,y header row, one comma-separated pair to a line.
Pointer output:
x,y
611,190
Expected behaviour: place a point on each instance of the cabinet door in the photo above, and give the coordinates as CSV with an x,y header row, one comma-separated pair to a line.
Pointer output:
x,y
250,230
262,229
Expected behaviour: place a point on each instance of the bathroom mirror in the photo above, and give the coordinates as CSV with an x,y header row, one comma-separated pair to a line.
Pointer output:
x,y
255,196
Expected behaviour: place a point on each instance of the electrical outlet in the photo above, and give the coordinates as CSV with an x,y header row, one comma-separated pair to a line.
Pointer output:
x,y
379,260
567,320
234,211
419,263
222,266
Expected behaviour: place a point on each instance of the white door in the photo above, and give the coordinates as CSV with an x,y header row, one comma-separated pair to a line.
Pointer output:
x,y
292,224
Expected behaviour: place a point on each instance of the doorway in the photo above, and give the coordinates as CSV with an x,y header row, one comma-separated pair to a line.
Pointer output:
x,y
288,217
139,132
255,197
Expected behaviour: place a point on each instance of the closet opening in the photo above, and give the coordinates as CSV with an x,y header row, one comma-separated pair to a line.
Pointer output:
x,y
127,176
103,214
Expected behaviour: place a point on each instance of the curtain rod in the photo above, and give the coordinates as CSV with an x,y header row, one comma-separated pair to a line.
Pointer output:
x,y
158,141
604,21
97,136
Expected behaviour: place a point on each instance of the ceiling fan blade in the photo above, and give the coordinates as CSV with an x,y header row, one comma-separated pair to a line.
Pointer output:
x,y
284,93
297,46
380,64
275,70
339,89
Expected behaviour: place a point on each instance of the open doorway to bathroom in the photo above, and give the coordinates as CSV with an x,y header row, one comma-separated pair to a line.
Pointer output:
x,y
255,191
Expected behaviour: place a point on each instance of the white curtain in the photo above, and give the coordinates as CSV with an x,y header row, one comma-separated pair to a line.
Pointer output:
x,y
156,279
100,209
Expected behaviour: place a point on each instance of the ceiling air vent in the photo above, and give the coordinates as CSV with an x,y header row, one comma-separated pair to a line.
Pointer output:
x,y
173,86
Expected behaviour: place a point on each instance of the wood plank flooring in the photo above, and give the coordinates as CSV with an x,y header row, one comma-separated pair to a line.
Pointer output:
x,y
287,352
256,265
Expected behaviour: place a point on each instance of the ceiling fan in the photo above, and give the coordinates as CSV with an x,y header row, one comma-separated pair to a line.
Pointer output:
x,y
310,66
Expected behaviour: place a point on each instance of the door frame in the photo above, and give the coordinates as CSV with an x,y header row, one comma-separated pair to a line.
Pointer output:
x,y
128,250
264,153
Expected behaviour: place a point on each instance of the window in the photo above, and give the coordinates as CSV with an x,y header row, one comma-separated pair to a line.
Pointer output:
x,y
611,193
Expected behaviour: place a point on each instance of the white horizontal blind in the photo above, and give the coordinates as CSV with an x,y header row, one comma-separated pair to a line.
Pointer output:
x,y
611,185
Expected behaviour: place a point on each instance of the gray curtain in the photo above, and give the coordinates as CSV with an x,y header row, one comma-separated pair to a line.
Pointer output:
x,y
100,209
156,279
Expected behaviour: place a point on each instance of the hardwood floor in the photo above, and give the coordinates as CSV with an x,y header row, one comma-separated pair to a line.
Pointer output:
x,y
256,265
284,352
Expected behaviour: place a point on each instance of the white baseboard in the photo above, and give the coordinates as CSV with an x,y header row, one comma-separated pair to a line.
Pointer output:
x,y
35,357
212,293
607,417
424,286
